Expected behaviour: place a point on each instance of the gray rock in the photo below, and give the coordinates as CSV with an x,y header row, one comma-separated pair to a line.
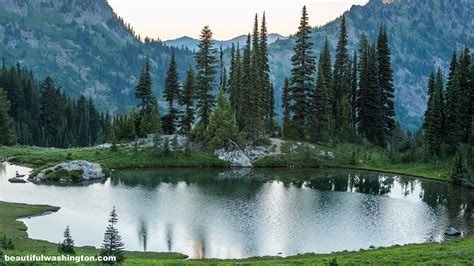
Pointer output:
x,y
237,158
451,231
89,170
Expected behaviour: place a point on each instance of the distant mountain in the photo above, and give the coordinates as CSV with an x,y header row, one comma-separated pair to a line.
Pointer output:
x,y
84,46
191,44
422,33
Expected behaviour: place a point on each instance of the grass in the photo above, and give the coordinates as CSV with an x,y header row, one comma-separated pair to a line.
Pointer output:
x,y
456,252
353,156
124,158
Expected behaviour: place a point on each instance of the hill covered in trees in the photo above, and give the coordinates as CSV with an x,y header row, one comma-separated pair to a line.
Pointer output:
x,y
421,32
91,51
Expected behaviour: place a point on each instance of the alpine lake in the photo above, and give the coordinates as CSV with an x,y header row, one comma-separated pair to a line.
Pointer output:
x,y
240,213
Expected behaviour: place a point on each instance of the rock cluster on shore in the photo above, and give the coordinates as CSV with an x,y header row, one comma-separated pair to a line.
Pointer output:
x,y
79,170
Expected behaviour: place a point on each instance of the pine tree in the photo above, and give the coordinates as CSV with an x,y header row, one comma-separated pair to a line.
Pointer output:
x,y
267,86
302,80
353,93
466,91
143,90
454,111
67,246
370,116
145,122
286,127
386,82
342,78
222,128
434,117
206,70
246,85
112,244
6,131
171,93
187,100
235,85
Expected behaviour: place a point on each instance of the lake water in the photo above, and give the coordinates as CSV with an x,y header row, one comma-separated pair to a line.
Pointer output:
x,y
236,214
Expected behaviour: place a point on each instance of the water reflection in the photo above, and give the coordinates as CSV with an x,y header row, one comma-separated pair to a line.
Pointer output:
x,y
240,213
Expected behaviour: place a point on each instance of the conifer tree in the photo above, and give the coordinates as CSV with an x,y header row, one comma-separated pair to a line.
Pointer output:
x,y
302,80
267,86
434,119
353,93
206,69
187,100
222,128
453,111
67,246
235,85
143,90
112,244
6,131
246,85
285,98
370,116
342,78
171,93
466,91
386,82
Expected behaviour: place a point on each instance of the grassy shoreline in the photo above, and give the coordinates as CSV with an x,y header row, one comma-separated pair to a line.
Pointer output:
x,y
129,158
458,251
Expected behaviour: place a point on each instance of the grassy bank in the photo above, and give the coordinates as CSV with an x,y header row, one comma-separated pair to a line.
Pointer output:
x,y
121,159
23,245
350,156
457,252
354,156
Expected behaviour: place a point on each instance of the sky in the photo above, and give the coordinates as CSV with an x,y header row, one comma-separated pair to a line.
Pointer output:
x,y
171,19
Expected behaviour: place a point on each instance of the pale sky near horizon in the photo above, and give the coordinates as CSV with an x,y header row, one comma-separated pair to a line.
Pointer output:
x,y
171,19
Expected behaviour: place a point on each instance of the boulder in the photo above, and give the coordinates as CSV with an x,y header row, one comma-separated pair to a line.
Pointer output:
x,y
236,158
451,231
79,170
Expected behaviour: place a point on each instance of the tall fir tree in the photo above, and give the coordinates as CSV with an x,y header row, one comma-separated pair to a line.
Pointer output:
x,y
206,70
222,130
302,80
370,106
6,122
267,86
386,82
187,101
246,85
466,91
342,78
172,94
322,101
353,93
285,100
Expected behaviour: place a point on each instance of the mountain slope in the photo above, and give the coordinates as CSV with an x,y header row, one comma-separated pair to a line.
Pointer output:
x,y
421,33
83,45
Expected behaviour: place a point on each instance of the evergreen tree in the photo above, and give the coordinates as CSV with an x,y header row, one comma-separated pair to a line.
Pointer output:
x,y
171,93
112,244
434,119
386,82
143,90
222,128
353,93
235,85
246,86
453,111
187,100
267,86
286,127
206,70
466,91
302,80
322,111
342,77
6,131
370,116
148,105
67,246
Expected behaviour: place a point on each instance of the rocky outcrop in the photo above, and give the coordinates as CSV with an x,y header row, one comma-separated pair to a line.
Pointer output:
x,y
73,171
236,158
